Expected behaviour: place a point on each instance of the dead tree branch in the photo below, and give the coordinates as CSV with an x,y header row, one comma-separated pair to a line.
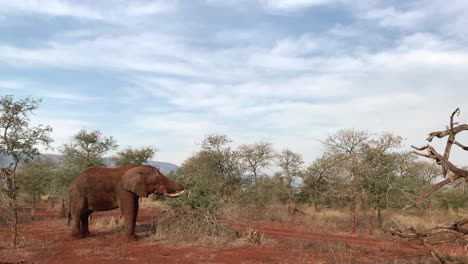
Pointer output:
x,y
456,231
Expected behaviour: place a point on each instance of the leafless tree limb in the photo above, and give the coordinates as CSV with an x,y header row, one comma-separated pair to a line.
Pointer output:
x,y
458,229
432,190
460,145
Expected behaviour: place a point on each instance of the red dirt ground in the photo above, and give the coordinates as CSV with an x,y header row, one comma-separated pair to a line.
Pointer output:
x,y
47,240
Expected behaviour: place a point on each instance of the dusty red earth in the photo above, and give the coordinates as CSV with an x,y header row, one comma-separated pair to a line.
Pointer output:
x,y
47,240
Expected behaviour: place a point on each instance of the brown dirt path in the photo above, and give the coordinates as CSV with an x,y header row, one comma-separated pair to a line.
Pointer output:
x,y
48,241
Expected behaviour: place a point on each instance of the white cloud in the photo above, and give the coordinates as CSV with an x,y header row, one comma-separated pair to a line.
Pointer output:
x,y
50,7
295,47
390,17
187,124
108,11
66,96
63,129
12,84
293,4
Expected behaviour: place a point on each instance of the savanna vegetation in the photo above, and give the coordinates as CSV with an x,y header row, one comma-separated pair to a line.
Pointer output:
x,y
358,184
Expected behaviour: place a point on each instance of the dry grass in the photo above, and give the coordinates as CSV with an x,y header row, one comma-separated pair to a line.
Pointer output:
x,y
273,212
149,203
200,227
339,220
421,220
107,223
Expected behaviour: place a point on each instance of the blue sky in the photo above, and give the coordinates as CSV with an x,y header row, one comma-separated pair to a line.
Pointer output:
x,y
292,72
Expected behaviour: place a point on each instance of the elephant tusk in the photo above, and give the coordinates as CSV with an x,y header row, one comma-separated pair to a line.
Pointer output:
x,y
174,194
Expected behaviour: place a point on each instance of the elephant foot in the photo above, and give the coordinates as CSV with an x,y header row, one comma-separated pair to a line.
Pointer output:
x,y
130,238
77,235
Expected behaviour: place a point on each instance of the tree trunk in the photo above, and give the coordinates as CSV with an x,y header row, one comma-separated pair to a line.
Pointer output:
x,y
316,195
289,200
33,207
15,225
61,213
51,202
14,222
379,217
353,213
371,221
13,207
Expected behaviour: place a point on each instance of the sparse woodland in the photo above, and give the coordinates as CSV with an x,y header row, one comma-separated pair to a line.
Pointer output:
x,y
368,175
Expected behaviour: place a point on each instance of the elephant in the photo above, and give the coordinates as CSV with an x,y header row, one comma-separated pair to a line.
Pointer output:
x,y
101,189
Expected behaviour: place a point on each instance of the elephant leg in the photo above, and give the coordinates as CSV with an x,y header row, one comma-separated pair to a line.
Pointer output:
x,y
129,209
85,223
77,210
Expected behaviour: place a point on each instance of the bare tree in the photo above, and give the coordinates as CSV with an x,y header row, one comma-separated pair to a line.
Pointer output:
x,y
291,168
458,230
256,156
348,144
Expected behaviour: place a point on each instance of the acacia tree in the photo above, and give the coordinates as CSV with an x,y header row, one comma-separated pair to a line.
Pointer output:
x,y
459,229
19,140
291,169
225,160
378,168
88,148
134,156
255,157
35,179
211,174
318,175
347,145
367,164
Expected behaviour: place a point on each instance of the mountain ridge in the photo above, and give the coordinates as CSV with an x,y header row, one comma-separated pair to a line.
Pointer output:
x,y
165,167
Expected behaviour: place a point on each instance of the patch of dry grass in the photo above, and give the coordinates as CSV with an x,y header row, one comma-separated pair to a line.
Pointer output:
x,y
273,212
422,220
107,223
149,203
339,220
200,227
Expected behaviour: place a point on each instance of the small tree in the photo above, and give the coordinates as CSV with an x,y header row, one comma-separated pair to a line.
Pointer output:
x,y
35,179
255,157
88,148
134,156
211,174
348,144
318,176
20,141
225,162
291,169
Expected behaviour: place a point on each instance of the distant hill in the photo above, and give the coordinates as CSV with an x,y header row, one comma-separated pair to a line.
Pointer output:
x,y
164,166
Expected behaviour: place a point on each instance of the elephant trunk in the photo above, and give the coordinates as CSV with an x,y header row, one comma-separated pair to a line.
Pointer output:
x,y
174,189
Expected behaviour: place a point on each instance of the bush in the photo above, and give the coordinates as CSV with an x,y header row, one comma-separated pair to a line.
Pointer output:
x,y
197,196
453,199
200,225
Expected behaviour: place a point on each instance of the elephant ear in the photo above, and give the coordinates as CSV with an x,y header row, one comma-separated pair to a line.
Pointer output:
x,y
134,180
